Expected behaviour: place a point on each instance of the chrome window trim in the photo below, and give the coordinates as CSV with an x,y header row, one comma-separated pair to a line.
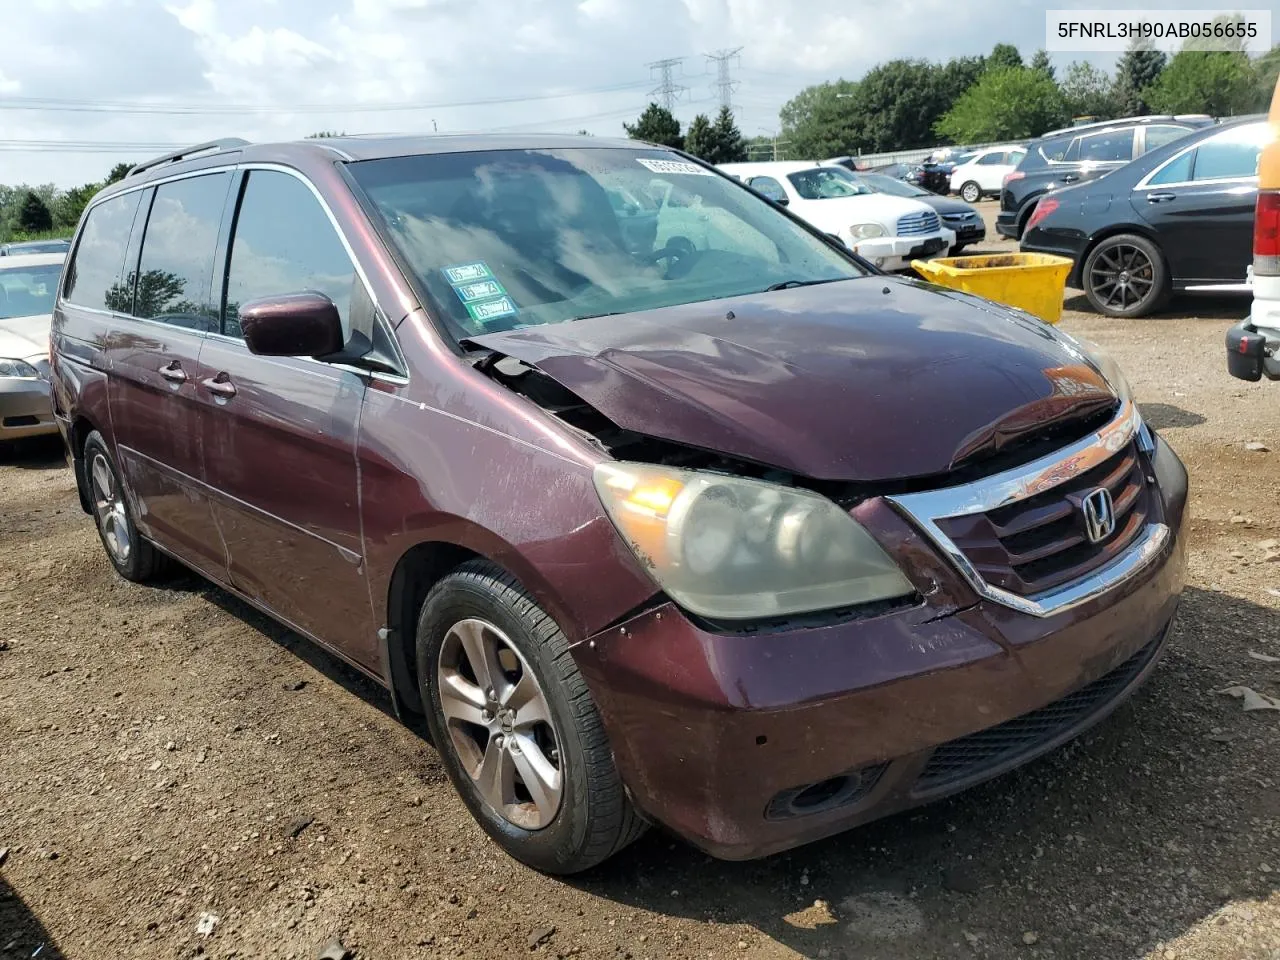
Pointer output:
x,y
380,314
927,508
1146,184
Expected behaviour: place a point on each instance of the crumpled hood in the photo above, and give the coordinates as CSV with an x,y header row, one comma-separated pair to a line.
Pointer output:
x,y
25,338
868,379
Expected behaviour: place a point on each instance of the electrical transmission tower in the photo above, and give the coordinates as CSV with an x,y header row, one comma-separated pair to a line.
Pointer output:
x,y
667,89
725,84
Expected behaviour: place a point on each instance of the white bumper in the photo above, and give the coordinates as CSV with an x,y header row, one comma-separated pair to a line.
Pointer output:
x,y
896,253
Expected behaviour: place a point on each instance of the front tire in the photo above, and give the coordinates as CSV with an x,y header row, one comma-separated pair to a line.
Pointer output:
x,y
517,731
1125,276
970,192
133,557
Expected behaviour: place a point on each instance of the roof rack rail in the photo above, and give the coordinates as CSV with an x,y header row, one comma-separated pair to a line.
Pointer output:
x,y
228,143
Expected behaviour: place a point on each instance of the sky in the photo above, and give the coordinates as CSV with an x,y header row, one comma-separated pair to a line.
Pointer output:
x,y
76,73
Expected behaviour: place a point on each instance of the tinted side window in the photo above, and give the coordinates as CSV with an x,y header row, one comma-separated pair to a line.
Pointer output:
x,y
991,159
767,186
94,273
1159,134
1216,159
176,269
1110,147
285,243
1177,170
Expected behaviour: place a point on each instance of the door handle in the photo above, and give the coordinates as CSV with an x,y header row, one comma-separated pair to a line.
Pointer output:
x,y
1070,178
1160,197
173,372
220,386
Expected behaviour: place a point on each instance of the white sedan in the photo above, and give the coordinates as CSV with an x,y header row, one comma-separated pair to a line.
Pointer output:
x,y
982,175
888,231
28,287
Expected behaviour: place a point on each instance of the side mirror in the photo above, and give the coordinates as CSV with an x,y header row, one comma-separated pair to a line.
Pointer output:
x,y
292,325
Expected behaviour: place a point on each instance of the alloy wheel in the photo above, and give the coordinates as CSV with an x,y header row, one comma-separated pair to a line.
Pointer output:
x,y
500,724
109,510
1122,276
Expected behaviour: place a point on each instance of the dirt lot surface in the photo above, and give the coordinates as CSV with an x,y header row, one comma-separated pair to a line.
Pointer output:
x,y
168,755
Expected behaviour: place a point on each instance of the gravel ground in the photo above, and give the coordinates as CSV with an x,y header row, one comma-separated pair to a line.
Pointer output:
x,y
168,756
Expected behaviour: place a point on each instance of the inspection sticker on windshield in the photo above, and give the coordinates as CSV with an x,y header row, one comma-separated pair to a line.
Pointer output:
x,y
467,273
673,166
480,290
483,311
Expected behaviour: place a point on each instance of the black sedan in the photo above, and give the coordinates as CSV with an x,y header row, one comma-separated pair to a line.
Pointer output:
x,y
956,214
1177,219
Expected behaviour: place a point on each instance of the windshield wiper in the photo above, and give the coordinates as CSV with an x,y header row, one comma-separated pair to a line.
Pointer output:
x,y
788,284
592,316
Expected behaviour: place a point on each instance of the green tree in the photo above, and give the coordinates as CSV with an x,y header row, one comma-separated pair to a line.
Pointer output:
x,y
33,215
70,204
1041,62
1006,104
325,134
1088,91
1218,83
1137,69
898,103
1266,68
700,138
819,121
656,125
118,173
729,145
1004,55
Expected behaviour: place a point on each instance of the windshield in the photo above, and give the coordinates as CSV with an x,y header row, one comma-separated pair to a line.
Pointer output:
x,y
28,291
514,238
826,183
897,188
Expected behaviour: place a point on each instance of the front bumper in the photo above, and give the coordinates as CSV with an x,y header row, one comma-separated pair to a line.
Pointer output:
x,y
896,253
750,743
26,409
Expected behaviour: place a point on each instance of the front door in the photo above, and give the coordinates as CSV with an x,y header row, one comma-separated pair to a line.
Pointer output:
x,y
165,308
1201,204
280,433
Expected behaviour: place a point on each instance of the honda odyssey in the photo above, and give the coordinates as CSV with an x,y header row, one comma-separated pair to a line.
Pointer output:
x,y
692,518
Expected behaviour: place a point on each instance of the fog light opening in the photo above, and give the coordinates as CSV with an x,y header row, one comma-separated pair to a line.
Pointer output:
x,y
818,795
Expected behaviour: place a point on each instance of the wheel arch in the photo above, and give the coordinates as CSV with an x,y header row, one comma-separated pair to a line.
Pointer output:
x,y
1111,230
81,427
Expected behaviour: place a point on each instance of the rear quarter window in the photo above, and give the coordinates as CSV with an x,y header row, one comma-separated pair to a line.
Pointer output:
x,y
94,274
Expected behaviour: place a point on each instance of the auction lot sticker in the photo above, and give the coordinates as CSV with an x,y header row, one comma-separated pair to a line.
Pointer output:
x,y
674,166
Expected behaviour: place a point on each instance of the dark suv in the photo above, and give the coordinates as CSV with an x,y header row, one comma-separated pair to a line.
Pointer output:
x,y
1079,154
708,523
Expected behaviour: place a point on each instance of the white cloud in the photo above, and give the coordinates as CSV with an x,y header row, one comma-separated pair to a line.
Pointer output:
x,y
281,54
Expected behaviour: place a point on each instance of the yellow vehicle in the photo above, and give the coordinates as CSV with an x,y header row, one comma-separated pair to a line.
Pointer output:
x,y
1253,343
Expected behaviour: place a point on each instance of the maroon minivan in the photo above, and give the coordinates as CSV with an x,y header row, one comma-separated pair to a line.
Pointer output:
x,y
658,504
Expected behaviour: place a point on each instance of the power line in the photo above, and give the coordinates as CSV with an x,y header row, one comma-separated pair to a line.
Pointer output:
x,y
76,105
667,88
725,83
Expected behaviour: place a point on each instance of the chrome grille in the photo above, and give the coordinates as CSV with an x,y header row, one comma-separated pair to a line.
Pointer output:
x,y
1038,543
917,224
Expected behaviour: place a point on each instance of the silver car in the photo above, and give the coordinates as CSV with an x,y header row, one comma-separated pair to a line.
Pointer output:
x,y
28,287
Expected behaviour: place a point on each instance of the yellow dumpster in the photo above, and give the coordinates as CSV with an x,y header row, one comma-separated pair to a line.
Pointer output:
x,y
1032,281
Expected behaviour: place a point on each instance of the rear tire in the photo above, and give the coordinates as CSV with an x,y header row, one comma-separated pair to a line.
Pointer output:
x,y
534,767
133,557
1125,276
970,192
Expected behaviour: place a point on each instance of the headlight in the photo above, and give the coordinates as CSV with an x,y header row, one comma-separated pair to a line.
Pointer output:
x,y
733,549
866,231
17,368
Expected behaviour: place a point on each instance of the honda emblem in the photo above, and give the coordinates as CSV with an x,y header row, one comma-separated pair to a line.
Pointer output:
x,y
1099,515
